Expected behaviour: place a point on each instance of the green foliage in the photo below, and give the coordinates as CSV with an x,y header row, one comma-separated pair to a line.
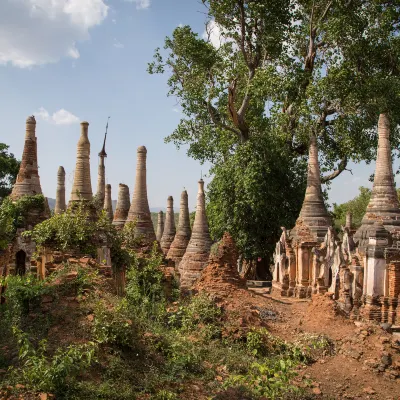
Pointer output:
x,y
282,70
144,289
9,167
113,326
248,196
51,374
75,229
22,294
269,379
13,215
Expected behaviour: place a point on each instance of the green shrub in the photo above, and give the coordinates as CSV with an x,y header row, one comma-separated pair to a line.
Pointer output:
x,y
23,293
144,288
50,373
270,378
13,215
113,326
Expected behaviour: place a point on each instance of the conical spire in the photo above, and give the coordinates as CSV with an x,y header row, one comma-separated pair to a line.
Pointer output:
x,y
198,249
123,204
140,210
384,204
60,194
160,226
313,214
108,203
28,182
82,187
169,229
101,176
182,237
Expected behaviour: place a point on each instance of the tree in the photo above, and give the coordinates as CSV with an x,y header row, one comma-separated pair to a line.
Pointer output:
x,y
9,168
284,69
356,206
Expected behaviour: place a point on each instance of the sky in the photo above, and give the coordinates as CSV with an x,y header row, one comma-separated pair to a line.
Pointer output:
x,y
67,61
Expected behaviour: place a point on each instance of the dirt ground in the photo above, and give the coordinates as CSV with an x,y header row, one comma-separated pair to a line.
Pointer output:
x,y
366,359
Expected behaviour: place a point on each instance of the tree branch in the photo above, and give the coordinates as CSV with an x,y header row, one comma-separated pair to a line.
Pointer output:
x,y
341,167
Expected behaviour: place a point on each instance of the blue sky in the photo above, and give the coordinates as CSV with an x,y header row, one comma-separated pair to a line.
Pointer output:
x,y
88,58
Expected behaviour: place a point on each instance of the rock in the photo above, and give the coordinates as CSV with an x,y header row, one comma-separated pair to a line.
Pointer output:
x,y
369,390
386,359
371,362
317,391
19,386
43,396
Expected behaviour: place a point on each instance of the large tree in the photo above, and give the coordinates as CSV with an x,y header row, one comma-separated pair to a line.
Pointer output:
x,y
9,167
284,69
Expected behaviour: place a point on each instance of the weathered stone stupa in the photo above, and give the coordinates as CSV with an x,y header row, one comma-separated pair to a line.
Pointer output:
x,y
123,205
108,203
28,182
182,237
101,176
314,217
198,249
82,187
140,210
169,229
349,220
384,204
60,194
160,226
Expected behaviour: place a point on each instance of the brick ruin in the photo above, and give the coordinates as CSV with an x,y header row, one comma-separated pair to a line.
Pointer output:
x,y
360,270
198,250
139,211
82,186
123,206
108,203
183,234
169,229
60,194
18,258
160,226
101,175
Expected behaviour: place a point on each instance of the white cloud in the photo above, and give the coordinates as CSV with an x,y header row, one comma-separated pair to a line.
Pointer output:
x,y
214,34
60,117
37,32
140,4
118,44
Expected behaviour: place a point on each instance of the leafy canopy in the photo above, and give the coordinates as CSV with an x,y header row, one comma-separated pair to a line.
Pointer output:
x,y
9,167
279,71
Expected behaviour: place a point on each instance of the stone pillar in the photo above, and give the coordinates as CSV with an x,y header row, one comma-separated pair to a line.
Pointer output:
x,y
375,271
394,291
123,205
140,210
384,204
108,203
169,229
60,194
160,226
349,220
82,187
198,249
101,179
28,181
